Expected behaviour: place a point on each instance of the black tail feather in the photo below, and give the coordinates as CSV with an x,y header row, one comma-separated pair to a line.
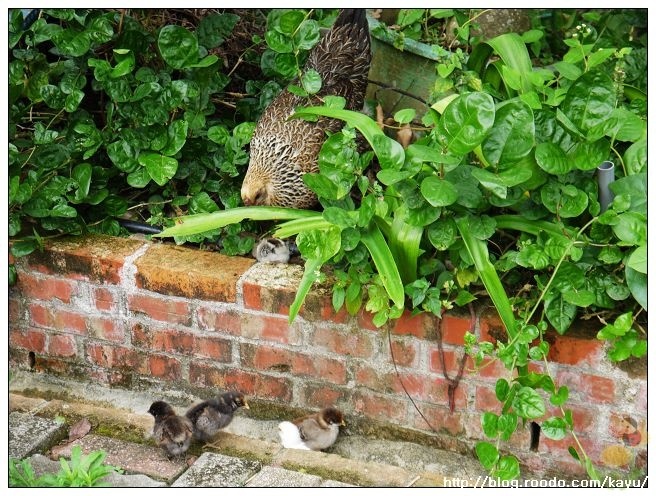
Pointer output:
x,y
357,17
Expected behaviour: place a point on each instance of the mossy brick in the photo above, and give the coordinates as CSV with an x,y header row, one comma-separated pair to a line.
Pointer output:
x,y
91,257
191,273
350,342
62,345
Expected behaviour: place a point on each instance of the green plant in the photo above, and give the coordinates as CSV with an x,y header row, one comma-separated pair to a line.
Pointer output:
x,y
81,471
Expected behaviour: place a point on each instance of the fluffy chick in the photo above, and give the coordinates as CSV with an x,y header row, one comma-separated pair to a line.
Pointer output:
x,y
271,250
290,436
319,430
212,415
171,432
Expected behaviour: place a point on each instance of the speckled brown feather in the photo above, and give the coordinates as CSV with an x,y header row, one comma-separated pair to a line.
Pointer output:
x,y
283,150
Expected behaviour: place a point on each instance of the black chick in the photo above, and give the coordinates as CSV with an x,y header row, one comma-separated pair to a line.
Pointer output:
x,y
212,415
171,432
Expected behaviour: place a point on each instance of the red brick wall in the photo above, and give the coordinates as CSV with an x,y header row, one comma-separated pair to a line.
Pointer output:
x,y
124,312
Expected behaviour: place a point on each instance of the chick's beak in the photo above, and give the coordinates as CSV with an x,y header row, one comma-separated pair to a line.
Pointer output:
x,y
246,405
343,423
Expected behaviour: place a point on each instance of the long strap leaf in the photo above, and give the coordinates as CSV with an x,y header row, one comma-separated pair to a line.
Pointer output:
x,y
385,264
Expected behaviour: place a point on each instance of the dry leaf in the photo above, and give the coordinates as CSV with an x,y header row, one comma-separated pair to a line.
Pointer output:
x,y
380,116
79,429
404,135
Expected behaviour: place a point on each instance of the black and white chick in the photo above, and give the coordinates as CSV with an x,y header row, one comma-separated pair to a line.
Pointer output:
x,y
290,436
317,431
208,417
171,432
272,250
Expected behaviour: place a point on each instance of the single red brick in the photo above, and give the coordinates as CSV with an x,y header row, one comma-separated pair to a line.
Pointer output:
x,y
379,407
440,419
164,309
104,299
222,320
29,339
486,400
320,395
327,369
587,388
39,315
576,351
105,328
164,367
419,325
69,321
454,328
352,342
62,345
213,347
405,352
268,328
172,341
41,288
493,369
252,296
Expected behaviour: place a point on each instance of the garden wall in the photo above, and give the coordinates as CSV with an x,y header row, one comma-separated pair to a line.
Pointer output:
x,y
134,314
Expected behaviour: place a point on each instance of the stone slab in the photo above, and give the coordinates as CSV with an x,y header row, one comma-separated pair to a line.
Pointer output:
x,y
29,434
280,477
215,470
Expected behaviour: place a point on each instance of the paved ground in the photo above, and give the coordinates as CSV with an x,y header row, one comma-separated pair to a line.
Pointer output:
x,y
246,454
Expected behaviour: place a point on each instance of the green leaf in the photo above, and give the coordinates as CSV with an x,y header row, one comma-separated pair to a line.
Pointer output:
x,y
311,81
177,136
405,116
512,135
479,254
215,28
638,259
139,178
308,35
289,21
559,398
389,152
635,157
438,192
528,403
637,283
279,42
507,424
552,159
442,233
81,173
560,313
508,468
514,55
487,454
631,228
160,168
385,264
590,100
554,428
599,56
178,47
568,71
501,389
489,422
71,42
466,122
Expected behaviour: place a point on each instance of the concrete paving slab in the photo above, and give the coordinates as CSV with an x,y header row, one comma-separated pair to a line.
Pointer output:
x,y
330,466
29,434
131,457
334,483
214,470
246,447
280,477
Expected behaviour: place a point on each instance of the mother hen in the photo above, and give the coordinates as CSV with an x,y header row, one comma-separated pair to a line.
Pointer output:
x,y
283,150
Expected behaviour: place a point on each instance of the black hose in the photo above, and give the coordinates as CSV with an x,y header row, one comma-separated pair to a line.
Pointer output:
x,y
139,227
